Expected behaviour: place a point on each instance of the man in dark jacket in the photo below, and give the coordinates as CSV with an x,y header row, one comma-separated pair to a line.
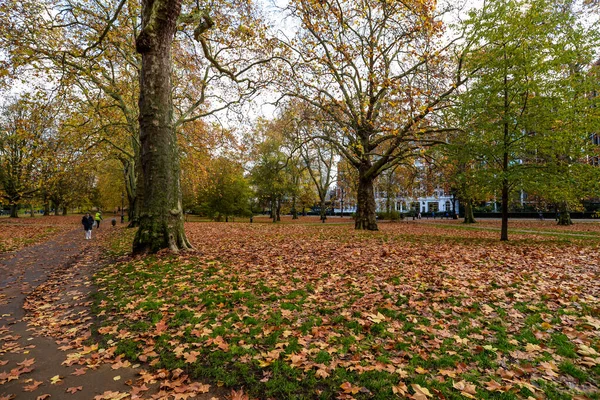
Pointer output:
x,y
88,222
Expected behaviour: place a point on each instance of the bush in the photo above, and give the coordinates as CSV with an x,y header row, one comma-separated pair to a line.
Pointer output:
x,y
392,216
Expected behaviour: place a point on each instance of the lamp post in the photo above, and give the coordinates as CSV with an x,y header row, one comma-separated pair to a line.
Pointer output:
x,y
122,207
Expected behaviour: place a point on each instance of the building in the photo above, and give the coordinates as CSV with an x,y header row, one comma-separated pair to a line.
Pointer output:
x,y
439,202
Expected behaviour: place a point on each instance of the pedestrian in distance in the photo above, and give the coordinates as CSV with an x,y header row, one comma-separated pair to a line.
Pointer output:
x,y
88,222
98,218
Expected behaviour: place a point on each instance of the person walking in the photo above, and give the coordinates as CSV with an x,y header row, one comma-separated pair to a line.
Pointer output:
x,y
88,222
98,218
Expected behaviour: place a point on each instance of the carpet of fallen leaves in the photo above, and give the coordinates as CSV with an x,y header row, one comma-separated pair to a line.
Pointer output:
x,y
17,233
415,310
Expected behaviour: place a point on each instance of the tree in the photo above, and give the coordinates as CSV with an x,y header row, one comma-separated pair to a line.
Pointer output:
x,y
526,98
161,215
226,192
86,46
269,174
23,124
318,155
161,212
379,72
462,166
319,158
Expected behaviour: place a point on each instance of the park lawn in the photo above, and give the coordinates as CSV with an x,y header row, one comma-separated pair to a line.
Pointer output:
x,y
19,233
323,311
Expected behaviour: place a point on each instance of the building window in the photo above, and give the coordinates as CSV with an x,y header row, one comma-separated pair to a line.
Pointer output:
x,y
433,206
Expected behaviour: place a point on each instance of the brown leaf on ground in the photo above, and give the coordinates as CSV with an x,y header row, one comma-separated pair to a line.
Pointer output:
x,y
28,362
238,395
33,386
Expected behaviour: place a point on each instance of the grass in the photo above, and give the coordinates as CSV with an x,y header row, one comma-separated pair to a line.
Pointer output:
x,y
298,311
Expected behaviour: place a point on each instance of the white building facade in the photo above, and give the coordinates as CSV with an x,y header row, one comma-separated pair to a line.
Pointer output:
x,y
438,202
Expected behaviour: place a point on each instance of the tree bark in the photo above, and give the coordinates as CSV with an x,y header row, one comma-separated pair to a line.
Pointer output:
x,y
504,229
365,203
132,175
273,213
279,209
469,217
64,211
161,211
505,188
294,211
564,216
14,210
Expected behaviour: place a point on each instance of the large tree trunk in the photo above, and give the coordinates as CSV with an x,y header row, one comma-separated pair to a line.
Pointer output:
x,y
469,217
14,210
564,217
365,204
64,211
161,214
322,212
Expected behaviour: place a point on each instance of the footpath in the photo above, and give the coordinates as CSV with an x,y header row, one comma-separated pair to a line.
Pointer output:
x,y
47,349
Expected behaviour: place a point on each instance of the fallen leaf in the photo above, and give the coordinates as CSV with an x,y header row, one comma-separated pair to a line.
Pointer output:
x,y
420,391
32,387
74,389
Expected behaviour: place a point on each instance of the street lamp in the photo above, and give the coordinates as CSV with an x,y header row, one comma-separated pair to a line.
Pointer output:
x,y
122,207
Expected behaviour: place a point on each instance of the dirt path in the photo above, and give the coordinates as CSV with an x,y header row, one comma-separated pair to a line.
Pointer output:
x,y
46,346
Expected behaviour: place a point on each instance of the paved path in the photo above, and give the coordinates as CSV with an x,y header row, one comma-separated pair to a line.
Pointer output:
x,y
29,359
